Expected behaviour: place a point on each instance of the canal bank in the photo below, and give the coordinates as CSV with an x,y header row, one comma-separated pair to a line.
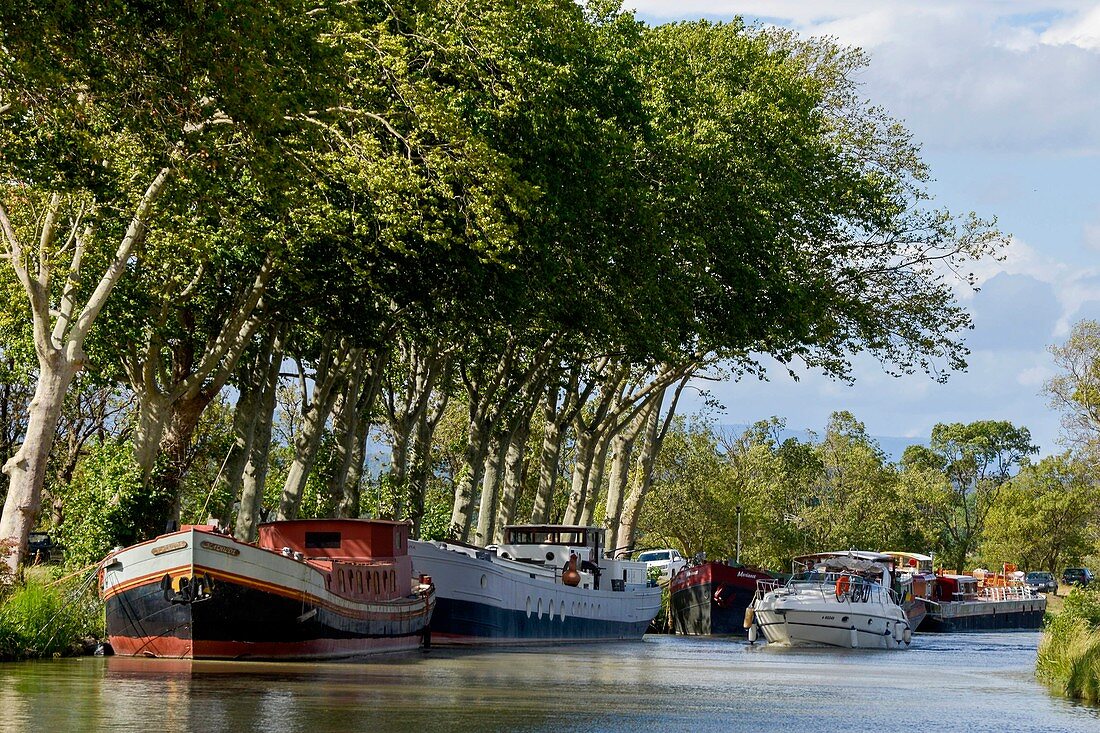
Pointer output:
x,y
946,683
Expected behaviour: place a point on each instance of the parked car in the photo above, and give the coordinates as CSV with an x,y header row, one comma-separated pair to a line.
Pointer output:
x,y
1041,581
40,548
1077,576
667,561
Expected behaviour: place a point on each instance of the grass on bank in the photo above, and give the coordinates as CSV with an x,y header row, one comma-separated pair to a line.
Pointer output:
x,y
45,617
1069,654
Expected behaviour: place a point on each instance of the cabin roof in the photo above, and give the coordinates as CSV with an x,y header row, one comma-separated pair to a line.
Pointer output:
x,y
914,555
316,523
857,554
552,528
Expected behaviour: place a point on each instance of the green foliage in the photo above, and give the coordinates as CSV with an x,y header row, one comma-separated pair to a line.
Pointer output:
x,y
1075,391
795,497
42,619
1045,517
958,478
106,505
1069,654
436,522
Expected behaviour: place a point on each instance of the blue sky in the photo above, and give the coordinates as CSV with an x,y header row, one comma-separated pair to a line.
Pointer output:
x,y
1004,97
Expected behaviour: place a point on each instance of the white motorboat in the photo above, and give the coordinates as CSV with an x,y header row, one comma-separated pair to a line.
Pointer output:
x,y
547,584
840,599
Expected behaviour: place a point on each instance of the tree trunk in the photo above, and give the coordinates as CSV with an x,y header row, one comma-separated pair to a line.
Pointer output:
x,y
26,470
512,483
462,512
154,414
345,428
365,404
622,446
422,460
255,470
398,473
595,479
175,446
490,490
246,415
582,467
549,461
330,376
655,432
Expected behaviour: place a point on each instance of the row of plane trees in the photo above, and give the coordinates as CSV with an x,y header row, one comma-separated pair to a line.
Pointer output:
x,y
552,211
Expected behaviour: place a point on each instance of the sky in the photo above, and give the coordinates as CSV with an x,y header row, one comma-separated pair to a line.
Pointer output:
x,y
1004,98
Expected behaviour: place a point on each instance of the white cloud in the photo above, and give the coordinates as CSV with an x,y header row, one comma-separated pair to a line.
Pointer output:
x,y
1091,236
1082,29
1035,376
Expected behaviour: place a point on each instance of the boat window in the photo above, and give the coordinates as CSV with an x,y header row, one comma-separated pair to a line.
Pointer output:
x,y
359,578
322,540
340,579
393,580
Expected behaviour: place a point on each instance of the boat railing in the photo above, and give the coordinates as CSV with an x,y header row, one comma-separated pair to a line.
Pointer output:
x,y
1012,592
838,586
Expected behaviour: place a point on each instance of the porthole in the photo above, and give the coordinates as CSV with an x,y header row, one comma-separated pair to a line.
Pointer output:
x,y
484,581
549,556
540,608
528,606
551,611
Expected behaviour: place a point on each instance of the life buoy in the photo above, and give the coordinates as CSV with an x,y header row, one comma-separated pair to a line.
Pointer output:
x,y
843,585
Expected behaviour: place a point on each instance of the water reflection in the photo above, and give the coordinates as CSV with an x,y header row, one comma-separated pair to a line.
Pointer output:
x,y
962,683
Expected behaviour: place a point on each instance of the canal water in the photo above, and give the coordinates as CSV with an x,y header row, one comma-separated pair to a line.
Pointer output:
x,y
945,683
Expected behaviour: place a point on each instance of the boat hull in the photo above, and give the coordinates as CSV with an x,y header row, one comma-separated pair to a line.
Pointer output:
x,y
1005,615
195,595
711,598
812,617
482,599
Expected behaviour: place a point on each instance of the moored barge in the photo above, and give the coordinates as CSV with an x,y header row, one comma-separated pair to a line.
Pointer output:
x,y
309,589
547,584
963,603
710,598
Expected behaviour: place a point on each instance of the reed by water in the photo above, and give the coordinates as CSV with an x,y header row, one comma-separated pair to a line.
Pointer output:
x,y
45,616
1069,654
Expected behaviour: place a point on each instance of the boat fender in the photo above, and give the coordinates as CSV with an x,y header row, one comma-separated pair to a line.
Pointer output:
x,y
750,614
854,637
843,585
753,634
570,576
907,635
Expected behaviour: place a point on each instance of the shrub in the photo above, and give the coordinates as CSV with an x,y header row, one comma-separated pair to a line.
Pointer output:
x,y
43,620
1069,654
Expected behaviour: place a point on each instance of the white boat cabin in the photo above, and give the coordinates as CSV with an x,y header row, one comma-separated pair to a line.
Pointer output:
x,y
552,545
